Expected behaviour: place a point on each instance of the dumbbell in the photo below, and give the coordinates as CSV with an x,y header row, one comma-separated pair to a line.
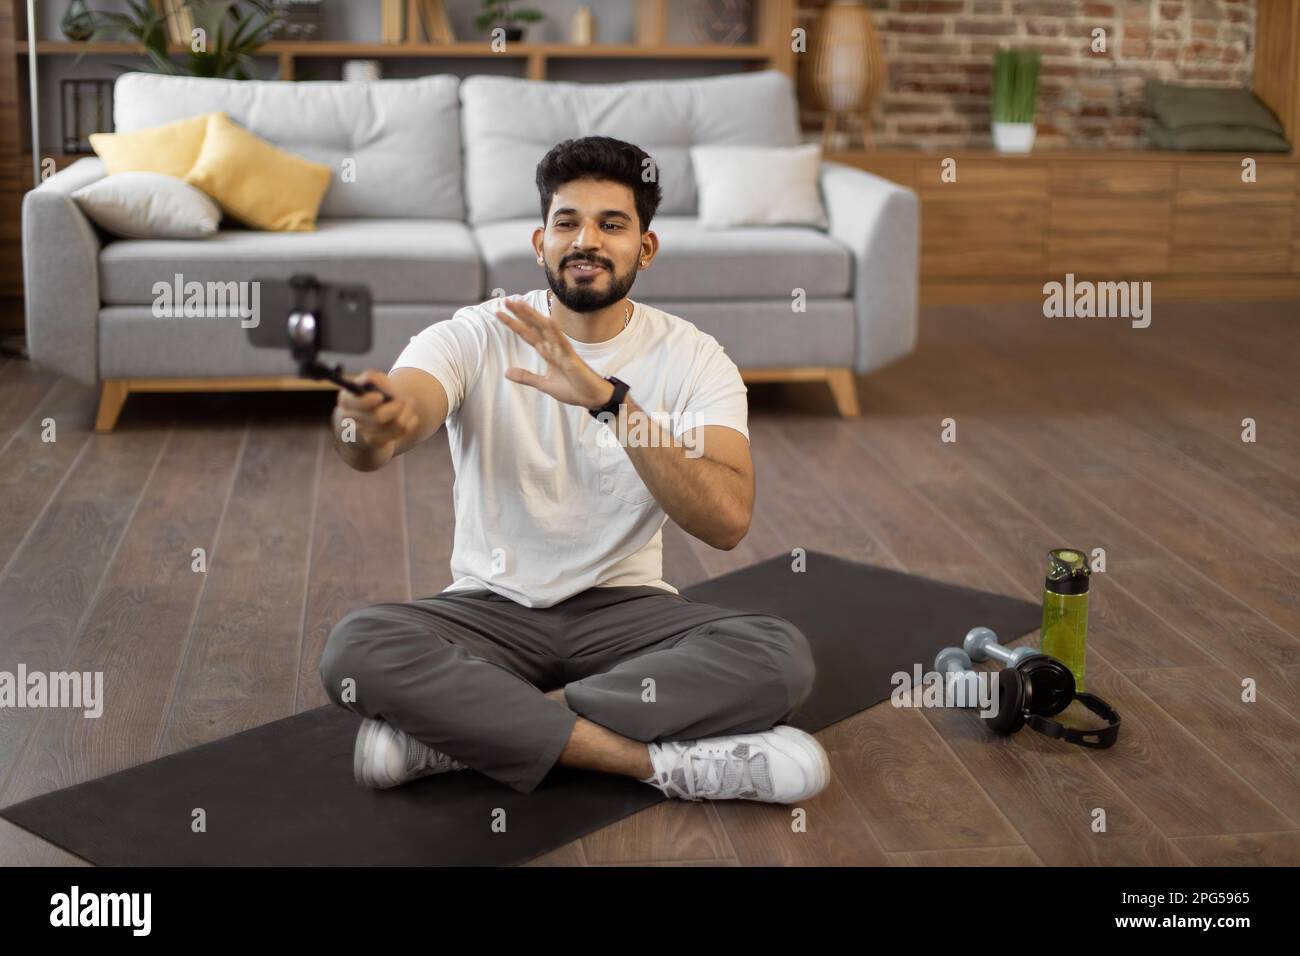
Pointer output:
x,y
1031,687
953,660
982,645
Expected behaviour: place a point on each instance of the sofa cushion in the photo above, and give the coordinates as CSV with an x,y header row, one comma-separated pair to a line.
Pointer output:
x,y
509,124
169,149
693,263
402,260
148,206
402,136
256,183
759,185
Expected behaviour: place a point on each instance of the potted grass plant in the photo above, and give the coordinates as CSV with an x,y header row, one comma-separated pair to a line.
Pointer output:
x,y
1015,99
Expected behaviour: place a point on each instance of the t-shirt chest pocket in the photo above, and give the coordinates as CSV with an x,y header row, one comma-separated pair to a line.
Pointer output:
x,y
617,477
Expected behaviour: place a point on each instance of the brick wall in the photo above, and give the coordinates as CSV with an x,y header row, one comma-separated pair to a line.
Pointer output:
x,y
940,55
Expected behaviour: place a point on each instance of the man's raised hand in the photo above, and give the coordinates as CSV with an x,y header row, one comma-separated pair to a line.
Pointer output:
x,y
568,378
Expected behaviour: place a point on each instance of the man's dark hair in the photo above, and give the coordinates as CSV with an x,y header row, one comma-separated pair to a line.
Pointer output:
x,y
601,157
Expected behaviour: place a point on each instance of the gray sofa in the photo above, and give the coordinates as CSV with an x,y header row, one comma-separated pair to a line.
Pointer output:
x,y
435,212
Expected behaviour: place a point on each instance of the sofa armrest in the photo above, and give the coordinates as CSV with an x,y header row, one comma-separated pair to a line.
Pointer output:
x,y
880,223
61,275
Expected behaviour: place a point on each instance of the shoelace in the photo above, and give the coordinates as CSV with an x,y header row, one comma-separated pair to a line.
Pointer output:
x,y
419,756
716,770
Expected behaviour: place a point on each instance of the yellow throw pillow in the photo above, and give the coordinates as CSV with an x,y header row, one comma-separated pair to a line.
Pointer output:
x,y
257,183
170,149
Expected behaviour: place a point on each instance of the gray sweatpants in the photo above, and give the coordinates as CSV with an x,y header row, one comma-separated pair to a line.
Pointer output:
x,y
465,672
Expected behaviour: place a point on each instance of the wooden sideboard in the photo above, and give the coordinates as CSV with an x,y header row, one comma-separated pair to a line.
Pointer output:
x,y
1188,222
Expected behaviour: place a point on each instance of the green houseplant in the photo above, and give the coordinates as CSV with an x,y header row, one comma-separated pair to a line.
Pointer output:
x,y
498,13
1015,99
233,30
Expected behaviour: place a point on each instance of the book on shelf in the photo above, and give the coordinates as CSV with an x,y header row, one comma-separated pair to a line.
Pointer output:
x,y
427,22
392,21
185,19
164,7
414,21
440,30
179,21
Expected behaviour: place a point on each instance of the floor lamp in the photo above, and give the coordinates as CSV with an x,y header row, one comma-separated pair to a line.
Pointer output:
x,y
33,94
14,351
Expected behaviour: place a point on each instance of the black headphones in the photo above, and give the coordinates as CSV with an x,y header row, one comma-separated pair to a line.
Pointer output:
x,y
1040,687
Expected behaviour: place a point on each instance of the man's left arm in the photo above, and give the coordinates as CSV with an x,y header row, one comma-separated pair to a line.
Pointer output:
x,y
703,480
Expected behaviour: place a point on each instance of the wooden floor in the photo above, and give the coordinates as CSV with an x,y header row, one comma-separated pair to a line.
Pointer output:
x,y
1070,432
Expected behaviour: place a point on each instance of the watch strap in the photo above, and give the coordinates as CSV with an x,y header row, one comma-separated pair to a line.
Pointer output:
x,y
615,401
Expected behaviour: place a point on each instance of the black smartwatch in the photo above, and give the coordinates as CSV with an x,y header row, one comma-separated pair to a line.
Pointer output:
x,y
615,401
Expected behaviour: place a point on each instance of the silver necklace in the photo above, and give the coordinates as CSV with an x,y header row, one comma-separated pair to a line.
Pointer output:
x,y
627,316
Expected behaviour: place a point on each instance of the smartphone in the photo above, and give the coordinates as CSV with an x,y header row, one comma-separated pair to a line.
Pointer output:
x,y
343,316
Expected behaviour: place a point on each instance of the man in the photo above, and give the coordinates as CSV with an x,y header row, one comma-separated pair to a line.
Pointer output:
x,y
558,641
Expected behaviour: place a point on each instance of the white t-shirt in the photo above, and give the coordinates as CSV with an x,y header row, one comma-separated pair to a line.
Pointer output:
x,y
546,508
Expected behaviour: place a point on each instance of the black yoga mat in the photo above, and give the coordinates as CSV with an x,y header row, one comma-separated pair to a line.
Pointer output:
x,y
283,794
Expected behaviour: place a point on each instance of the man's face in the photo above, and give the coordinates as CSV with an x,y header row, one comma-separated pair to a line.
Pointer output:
x,y
591,244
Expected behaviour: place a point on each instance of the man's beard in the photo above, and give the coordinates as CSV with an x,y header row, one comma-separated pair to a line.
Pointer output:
x,y
587,297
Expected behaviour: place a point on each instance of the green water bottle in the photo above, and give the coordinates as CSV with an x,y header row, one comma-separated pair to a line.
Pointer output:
x,y
1065,610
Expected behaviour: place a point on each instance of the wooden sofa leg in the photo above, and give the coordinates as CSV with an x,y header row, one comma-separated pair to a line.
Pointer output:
x,y
844,389
112,396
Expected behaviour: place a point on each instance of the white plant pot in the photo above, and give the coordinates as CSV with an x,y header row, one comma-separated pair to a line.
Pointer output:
x,y
1013,137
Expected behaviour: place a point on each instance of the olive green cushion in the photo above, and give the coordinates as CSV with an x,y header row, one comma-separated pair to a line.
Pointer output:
x,y
1177,105
1217,137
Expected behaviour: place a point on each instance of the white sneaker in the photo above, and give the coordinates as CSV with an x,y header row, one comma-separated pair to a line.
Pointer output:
x,y
781,765
385,756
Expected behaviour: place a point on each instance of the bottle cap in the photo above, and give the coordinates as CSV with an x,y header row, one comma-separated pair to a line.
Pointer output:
x,y
1067,571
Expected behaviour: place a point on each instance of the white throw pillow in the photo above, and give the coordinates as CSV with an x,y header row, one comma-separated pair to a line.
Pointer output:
x,y
149,206
759,185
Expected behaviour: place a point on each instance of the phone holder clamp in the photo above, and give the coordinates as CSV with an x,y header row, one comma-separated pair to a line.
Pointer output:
x,y
303,333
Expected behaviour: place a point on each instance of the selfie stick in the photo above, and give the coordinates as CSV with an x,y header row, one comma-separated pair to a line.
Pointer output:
x,y
303,332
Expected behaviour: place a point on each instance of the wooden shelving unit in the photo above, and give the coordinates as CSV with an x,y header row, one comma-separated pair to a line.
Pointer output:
x,y
772,24
744,51
537,55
